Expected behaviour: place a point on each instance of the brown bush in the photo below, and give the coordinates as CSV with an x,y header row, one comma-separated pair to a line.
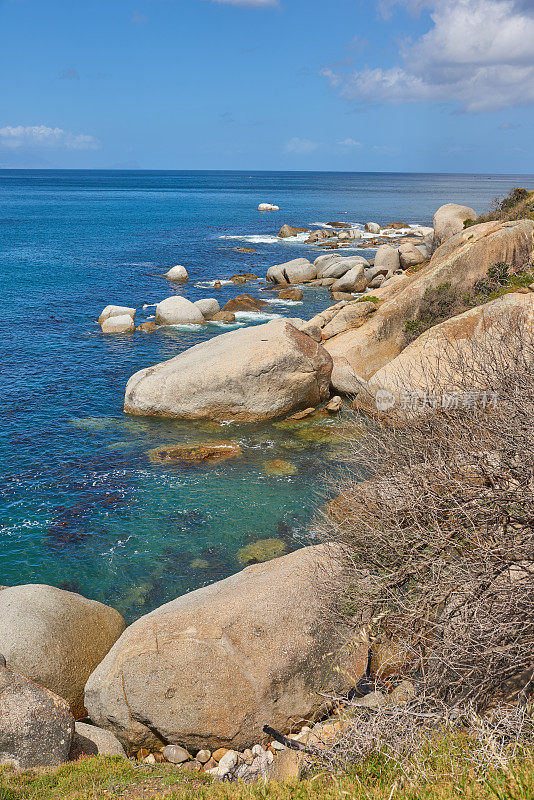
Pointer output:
x,y
438,543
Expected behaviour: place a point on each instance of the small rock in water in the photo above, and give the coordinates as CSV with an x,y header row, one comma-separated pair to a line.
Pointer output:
x,y
175,754
223,316
290,294
147,327
268,207
334,405
302,414
177,273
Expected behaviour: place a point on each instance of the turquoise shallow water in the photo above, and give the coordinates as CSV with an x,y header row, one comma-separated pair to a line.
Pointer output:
x,y
81,504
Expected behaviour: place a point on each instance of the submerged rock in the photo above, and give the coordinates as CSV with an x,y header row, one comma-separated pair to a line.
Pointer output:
x,y
255,373
262,550
36,726
147,327
209,668
277,466
290,294
190,454
56,638
223,316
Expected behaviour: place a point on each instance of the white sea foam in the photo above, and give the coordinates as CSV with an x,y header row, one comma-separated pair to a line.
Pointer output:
x,y
149,305
211,284
255,316
277,301
186,327
254,238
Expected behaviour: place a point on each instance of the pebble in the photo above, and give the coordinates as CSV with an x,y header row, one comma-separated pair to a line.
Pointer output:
x,y
228,761
203,756
258,750
218,754
191,766
278,746
334,404
175,754
247,755
151,759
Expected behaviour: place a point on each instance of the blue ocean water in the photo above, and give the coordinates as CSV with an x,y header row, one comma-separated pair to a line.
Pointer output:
x,y
81,504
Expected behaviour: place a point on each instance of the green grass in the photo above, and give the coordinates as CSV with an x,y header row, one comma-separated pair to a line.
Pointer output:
x,y
444,771
369,298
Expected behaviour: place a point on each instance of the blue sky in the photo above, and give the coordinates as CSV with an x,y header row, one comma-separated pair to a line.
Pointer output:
x,y
395,85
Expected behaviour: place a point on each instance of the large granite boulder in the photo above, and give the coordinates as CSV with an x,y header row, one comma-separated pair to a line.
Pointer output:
x,y
298,270
208,307
431,362
352,281
209,669
461,262
56,638
254,373
178,310
36,726
178,274
449,220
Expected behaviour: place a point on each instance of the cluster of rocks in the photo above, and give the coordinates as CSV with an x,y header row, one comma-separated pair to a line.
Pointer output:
x,y
342,234
345,275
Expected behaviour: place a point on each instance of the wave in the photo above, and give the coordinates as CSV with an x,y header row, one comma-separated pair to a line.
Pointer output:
x,y
254,238
279,302
211,284
254,316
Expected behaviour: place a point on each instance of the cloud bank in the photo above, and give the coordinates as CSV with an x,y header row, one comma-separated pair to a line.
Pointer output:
x,y
478,55
43,137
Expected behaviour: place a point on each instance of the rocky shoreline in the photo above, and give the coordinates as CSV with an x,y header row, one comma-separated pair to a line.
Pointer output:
x,y
195,681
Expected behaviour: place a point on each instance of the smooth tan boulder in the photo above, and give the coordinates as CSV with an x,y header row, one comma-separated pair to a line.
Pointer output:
x,y
286,231
410,255
461,261
430,362
115,311
177,310
56,638
449,220
254,373
88,740
211,667
119,324
208,307
352,281
178,274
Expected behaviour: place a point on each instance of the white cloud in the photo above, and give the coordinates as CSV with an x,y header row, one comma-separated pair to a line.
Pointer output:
x,y
348,142
43,137
300,147
478,54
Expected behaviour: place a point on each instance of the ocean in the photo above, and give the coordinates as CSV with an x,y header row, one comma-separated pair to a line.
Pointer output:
x,y
82,506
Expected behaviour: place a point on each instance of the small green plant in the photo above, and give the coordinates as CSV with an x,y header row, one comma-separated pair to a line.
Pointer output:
x,y
499,273
468,223
368,298
439,303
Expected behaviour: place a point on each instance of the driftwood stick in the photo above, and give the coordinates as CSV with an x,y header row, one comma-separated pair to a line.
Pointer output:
x,y
291,744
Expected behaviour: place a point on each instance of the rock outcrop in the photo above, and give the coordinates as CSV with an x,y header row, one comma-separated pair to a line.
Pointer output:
x,y
461,261
36,726
56,638
243,302
431,362
268,207
178,310
255,373
449,220
209,668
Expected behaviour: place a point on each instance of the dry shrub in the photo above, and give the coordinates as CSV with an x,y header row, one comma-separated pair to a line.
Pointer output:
x,y
437,546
